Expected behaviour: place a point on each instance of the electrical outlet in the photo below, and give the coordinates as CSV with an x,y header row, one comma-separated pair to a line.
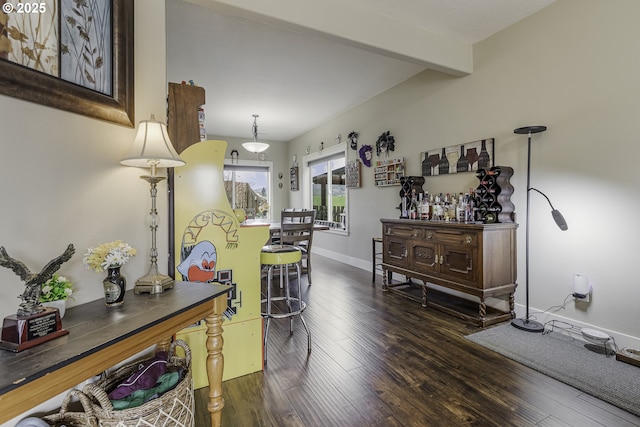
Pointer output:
x,y
582,298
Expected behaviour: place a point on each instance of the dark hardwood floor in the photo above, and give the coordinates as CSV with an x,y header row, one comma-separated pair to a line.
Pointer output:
x,y
379,359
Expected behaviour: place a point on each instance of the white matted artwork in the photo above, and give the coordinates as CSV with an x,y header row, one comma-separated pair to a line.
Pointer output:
x,y
467,157
353,174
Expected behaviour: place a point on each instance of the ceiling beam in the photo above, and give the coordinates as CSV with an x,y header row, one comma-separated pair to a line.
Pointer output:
x,y
362,28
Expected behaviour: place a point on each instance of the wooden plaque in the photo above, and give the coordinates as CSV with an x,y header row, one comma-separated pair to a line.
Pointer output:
x,y
22,332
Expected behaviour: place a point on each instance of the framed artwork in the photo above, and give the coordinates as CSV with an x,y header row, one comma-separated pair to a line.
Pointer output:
x,y
71,55
467,157
293,175
353,174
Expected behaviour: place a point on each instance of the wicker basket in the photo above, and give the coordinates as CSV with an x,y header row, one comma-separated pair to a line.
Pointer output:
x,y
173,409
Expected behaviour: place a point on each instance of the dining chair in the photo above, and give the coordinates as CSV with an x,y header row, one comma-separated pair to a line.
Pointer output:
x,y
296,229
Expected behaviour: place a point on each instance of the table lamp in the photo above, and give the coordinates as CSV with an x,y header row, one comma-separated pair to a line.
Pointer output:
x,y
152,148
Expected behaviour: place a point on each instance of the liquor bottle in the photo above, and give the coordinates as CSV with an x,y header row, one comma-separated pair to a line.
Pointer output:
x,y
481,212
460,209
451,208
412,206
488,180
484,159
403,211
425,207
468,208
431,205
496,171
443,166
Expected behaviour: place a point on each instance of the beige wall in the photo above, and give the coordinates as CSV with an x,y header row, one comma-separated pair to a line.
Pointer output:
x,y
61,181
571,67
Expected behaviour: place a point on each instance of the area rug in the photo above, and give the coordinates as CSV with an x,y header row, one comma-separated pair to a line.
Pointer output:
x,y
569,360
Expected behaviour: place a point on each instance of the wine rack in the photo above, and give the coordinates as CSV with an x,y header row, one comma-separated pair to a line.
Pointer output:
x,y
389,172
409,186
493,195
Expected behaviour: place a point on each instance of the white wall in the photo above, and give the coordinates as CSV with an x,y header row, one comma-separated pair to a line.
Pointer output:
x,y
572,67
61,180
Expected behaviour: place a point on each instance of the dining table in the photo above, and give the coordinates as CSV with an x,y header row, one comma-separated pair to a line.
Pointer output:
x,y
275,227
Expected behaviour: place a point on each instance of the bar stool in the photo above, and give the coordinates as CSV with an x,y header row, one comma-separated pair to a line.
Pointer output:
x,y
282,256
376,256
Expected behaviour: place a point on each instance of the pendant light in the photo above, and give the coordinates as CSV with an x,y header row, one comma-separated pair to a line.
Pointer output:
x,y
255,146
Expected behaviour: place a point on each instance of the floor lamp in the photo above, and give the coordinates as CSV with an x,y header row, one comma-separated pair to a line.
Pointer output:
x,y
152,148
525,323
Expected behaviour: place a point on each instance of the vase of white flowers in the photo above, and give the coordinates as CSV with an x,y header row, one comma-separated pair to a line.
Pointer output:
x,y
110,256
54,293
115,285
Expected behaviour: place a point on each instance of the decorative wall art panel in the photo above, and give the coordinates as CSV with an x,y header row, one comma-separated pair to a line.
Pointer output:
x,y
467,157
353,174
71,55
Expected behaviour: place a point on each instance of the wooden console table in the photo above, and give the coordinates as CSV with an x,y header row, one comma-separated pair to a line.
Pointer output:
x,y
100,337
477,260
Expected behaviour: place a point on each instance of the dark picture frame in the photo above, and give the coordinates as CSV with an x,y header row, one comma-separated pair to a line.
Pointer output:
x,y
30,85
293,178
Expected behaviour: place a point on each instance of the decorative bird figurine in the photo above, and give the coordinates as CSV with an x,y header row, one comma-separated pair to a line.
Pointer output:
x,y
33,281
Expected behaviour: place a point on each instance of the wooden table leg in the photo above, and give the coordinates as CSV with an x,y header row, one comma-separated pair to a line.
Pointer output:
x,y
163,345
215,359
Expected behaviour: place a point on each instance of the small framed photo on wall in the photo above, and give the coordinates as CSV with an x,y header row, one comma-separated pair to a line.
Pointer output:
x,y
293,175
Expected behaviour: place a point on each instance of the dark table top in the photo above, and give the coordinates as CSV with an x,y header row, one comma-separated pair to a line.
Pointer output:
x,y
94,326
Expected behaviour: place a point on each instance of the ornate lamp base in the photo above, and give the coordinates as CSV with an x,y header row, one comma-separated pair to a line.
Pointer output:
x,y
153,284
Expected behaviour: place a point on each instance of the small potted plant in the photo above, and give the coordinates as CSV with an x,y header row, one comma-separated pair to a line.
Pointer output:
x,y
110,256
55,291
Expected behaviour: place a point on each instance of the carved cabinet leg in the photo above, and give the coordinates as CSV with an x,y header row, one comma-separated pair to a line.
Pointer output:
x,y
483,311
512,305
385,286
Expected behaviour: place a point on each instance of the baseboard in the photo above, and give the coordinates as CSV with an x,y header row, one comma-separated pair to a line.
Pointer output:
x,y
356,262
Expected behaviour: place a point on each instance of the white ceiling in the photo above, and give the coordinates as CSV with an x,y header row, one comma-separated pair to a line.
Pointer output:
x,y
300,73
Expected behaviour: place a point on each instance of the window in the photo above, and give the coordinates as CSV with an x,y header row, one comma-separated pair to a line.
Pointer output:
x,y
329,190
248,187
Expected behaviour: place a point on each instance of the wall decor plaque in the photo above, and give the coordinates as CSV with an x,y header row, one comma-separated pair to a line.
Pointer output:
x,y
467,157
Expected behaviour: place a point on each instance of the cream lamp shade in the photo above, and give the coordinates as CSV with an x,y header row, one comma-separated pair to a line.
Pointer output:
x,y
255,147
152,147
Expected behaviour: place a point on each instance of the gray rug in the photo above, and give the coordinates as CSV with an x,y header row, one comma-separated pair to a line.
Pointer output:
x,y
572,361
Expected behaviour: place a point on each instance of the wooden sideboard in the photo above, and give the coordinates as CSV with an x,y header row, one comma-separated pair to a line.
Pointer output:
x,y
474,261
100,337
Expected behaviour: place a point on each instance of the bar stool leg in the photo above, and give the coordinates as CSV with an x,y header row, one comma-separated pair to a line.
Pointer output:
x,y
304,324
268,310
288,296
